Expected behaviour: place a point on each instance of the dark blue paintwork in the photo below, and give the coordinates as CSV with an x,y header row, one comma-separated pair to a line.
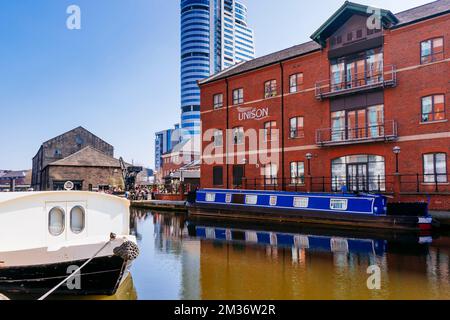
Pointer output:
x,y
368,204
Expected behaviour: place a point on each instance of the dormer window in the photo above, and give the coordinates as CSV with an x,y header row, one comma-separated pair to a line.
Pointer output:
x,y
350,36
359,34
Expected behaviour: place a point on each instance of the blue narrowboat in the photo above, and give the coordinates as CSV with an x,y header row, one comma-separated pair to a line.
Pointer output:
x,y
344,210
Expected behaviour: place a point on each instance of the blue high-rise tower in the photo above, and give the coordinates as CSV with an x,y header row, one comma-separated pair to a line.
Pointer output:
x,y
214,36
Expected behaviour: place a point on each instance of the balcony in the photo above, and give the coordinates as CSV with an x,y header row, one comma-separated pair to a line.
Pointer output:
x,y
349,135
360,82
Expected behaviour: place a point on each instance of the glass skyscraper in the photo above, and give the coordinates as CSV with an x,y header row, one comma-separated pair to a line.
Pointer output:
x,y
214,36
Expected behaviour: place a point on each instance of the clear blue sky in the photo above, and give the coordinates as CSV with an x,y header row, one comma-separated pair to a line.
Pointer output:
x,y
119,75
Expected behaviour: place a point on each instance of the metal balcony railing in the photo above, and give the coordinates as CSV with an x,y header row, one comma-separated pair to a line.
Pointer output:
x,y
357,82
386,131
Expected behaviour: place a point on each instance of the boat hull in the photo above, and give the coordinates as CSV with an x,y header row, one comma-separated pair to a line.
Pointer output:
x,y
304,216
102,276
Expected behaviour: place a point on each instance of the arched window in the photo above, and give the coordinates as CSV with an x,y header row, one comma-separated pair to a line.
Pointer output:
x,y
56,221
77,219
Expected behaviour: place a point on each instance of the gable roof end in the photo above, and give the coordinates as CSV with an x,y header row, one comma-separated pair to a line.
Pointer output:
x,y
343,14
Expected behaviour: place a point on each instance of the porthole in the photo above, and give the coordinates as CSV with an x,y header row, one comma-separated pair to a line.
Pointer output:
x,y
56,221
77,219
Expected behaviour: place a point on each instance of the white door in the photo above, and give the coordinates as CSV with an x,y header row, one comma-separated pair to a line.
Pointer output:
x,y
76,227
56,213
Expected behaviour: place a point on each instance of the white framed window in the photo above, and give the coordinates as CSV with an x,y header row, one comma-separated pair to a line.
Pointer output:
x,y
77,219
273,200
210,197
300,202
56,221
270,173
338,204
435,168
251,199
298,173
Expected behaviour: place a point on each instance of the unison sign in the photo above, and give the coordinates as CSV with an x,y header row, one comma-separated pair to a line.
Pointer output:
x,y
250,113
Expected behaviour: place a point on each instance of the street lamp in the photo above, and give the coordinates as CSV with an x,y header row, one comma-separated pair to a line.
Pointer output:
x,y
244,162
309,157
396,151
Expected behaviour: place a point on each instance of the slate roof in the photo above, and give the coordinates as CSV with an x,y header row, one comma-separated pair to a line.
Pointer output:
x,y
405,17
88,157
269,59
428,10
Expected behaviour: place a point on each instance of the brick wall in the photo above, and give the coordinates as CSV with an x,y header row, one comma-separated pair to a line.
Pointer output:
x,y
402,104
94,176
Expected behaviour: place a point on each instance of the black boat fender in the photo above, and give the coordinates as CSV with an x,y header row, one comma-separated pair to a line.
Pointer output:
x,y
128,251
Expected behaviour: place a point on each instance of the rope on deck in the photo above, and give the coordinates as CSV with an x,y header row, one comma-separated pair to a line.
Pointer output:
x,y
111,238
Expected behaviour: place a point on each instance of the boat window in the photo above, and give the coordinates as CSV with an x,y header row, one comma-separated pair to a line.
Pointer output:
x,y
56,221
77,219
228,198
251,199
338,204
301,202
210,197
273,200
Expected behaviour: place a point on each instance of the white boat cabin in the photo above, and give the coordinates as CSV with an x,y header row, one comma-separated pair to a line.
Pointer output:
x,y
52,220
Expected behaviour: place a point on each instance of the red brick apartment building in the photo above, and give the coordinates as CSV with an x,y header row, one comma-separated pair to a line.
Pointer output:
x,y
362,107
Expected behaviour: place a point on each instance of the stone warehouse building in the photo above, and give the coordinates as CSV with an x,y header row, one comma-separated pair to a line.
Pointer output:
x,y
361,107
78,156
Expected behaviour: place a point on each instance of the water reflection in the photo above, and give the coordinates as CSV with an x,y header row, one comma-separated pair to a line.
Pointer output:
x,y
187,259
197,259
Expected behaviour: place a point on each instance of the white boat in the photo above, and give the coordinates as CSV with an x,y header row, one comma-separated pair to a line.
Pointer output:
x,y
46,236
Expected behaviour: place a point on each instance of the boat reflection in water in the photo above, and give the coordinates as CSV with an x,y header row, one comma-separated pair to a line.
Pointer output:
x,y
184,258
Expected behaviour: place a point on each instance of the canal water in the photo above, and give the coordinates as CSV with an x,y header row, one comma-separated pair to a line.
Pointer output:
x,y
182,259
194,259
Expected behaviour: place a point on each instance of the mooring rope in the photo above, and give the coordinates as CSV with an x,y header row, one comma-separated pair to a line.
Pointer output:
x,y
111,238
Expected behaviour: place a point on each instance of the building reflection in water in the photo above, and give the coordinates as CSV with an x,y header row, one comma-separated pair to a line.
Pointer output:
x,y
232,261
168,267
